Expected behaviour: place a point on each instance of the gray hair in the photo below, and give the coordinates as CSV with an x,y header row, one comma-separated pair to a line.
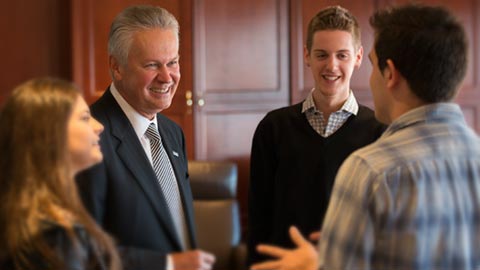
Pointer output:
x,y
133,19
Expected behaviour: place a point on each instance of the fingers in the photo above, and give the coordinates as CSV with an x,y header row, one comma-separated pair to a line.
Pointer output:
x,y
268,265
297,237
207,257
273,251
194,259
205,266
315,236
302,257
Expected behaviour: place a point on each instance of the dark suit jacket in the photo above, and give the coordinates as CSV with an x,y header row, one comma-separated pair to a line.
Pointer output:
x,y
123,195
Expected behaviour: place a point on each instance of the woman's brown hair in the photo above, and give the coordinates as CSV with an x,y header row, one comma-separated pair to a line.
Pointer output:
x,y
36,181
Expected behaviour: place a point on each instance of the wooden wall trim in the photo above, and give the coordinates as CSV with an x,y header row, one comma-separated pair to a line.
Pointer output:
x,y
83,65
298,91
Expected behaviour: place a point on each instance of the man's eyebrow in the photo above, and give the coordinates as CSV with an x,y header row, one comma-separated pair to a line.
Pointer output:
x,y
339,51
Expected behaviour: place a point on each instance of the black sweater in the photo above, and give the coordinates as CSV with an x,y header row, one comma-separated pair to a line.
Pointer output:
x,y
293,169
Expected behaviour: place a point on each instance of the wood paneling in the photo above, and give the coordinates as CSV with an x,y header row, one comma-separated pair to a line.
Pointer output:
x,y
469,95
241,73
240,50
35,41
246,58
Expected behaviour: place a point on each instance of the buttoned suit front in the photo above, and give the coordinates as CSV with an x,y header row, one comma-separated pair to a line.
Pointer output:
x,y
123,195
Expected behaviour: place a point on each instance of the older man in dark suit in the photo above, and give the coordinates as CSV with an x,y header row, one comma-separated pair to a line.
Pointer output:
x,y
140,193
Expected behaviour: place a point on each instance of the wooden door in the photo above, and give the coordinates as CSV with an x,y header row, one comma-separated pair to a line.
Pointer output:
x,y
90,26
241,73
35,41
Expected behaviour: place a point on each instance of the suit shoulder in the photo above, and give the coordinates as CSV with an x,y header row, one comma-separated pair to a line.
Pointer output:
x,y
170,129
167,122
100,106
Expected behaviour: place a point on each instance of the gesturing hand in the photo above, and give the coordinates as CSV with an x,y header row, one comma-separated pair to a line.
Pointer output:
x,y
304,257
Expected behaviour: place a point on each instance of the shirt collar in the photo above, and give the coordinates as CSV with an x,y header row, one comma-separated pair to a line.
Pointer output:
x,y
427,113
138,121
350,105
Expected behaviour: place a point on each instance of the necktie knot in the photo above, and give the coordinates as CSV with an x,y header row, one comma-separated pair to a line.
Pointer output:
x,y
152,132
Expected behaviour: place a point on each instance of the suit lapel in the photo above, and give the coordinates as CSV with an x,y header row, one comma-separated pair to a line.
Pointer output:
x,y
131,152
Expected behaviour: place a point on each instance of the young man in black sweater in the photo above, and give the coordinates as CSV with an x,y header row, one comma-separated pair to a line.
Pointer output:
x,y
297,150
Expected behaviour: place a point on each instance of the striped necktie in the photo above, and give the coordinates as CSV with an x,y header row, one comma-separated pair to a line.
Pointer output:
x,y
168,183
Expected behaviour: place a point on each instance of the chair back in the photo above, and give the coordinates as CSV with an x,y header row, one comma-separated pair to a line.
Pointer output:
x,y
217,217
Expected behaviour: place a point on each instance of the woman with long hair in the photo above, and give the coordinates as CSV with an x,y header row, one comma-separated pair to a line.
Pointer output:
x,y
47,135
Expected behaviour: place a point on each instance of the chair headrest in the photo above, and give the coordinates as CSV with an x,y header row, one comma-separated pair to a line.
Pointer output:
x,y
213,179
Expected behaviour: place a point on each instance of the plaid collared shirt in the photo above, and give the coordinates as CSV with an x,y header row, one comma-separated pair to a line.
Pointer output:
x,y
336,119
410,200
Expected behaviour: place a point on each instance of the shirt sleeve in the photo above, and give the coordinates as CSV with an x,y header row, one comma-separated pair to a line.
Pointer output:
x,y
347,237
169,263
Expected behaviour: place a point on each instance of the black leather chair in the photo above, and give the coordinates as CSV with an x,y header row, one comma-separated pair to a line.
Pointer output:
x,y
217,217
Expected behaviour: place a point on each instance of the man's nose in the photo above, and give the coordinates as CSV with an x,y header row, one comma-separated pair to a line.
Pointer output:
x,y
332,62
163,74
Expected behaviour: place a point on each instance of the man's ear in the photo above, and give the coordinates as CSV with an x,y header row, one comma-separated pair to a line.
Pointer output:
x,y
306,56
391,74
115,67
359,57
